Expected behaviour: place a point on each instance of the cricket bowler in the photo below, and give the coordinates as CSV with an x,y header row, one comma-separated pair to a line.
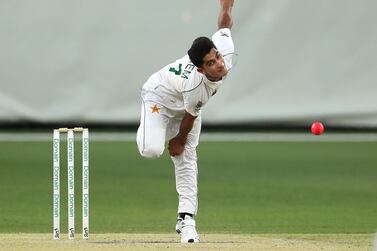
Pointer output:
x,y
172,99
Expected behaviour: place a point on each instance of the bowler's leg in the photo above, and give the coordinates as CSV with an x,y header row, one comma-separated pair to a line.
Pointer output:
x,y
152,130
186,172
186,175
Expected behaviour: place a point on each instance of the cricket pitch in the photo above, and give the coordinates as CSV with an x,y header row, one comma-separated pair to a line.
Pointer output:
x,y
271,242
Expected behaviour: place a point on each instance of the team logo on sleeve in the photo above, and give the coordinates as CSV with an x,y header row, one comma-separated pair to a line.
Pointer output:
x,y
155,108
223,34
198,106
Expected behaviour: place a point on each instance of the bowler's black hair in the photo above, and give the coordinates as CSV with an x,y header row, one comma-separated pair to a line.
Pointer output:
x,y
199,48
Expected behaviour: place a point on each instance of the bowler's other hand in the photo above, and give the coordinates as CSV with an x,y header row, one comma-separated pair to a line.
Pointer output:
x,y
176,146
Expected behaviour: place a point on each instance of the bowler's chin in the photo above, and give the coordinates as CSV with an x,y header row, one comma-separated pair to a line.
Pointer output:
x,y
225,72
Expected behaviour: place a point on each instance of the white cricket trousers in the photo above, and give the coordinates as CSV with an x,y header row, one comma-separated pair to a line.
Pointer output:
x,y
160,125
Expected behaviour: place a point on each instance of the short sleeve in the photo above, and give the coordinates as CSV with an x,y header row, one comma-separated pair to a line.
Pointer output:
x,y
192,102
223,41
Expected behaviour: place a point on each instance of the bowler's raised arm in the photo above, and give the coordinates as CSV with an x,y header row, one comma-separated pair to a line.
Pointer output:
x,y
225,18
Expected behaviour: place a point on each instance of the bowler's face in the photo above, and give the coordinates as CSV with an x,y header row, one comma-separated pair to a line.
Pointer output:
x,y
213,66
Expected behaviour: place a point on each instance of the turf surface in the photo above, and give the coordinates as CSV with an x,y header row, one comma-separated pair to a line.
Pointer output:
x,y
244,187
158,241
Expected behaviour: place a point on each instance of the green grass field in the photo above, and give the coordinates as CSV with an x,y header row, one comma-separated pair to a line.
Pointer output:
x,y
244,187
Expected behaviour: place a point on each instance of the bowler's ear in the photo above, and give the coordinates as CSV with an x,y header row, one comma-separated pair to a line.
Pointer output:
x,y
200,69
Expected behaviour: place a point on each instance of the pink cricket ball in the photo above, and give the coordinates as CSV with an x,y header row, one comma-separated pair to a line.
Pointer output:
x,y
318,128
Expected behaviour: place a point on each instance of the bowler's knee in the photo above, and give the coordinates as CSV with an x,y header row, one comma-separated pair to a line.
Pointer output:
x,y
151,152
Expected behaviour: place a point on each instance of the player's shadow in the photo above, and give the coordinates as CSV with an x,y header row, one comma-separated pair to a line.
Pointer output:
x,y
120,242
